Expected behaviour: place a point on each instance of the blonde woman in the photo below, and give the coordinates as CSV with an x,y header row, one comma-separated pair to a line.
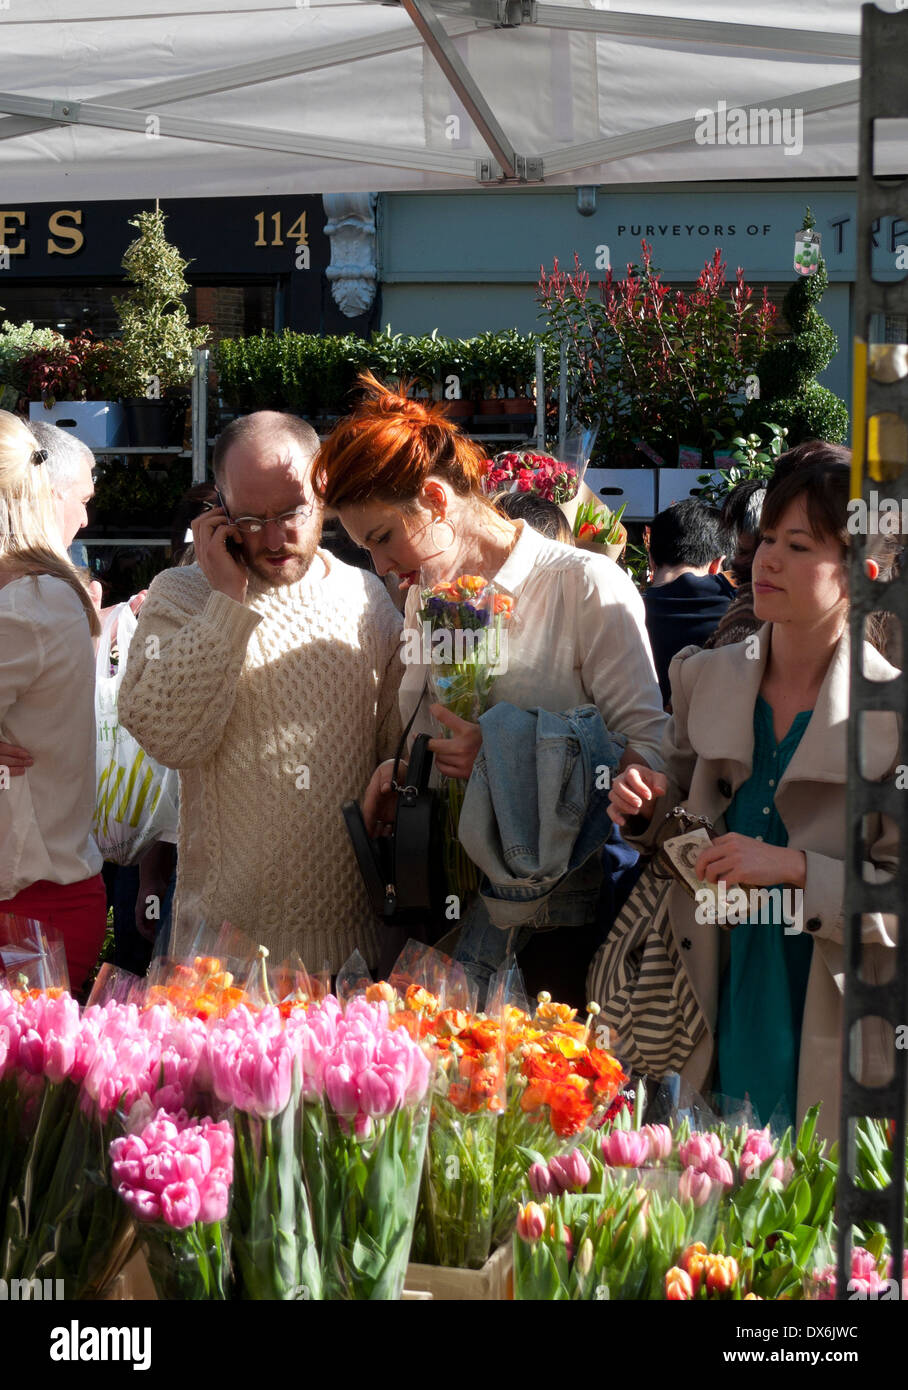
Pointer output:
x,y
49,863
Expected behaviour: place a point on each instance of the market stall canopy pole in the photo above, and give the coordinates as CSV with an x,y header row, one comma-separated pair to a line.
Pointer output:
x,y
447,92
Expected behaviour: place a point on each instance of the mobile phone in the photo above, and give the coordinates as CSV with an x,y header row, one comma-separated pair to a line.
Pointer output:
x,y
235,548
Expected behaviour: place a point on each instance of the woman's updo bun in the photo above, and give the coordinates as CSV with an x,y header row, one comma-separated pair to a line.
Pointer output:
x,y
388,446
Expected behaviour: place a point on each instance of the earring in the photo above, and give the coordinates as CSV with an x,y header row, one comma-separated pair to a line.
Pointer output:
x,y
873,569
444,522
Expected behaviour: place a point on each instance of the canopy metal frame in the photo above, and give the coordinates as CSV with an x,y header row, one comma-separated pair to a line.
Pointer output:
x,y
130,109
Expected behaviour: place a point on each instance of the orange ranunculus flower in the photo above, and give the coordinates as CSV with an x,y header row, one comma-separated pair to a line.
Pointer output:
x,y
381,993
570,1111
207,965
536,1094
503,605
551,1012
608,1076
451,1021
546,1067
484,1033
471,584
421,1000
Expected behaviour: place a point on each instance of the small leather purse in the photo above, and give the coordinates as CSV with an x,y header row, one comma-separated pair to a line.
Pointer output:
x,y
679,843
403,871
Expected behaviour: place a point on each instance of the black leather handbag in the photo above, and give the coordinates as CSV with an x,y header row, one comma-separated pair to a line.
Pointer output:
x,y
403,871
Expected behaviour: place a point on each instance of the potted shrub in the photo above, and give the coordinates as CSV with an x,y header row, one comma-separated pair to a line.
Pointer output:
x,y
71,385
155,359
489,367
250,373
17,342
517,359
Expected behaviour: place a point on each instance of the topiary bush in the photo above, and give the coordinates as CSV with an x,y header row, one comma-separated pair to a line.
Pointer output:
x,y
790,395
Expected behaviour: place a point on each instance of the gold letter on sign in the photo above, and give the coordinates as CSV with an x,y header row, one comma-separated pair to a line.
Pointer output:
x,y
10,222
57,227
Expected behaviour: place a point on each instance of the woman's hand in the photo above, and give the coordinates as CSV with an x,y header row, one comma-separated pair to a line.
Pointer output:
x,y
15,760
380,801
455,756
740,859
635,792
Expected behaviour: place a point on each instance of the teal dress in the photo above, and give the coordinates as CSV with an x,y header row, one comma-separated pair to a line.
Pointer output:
x,y
762,992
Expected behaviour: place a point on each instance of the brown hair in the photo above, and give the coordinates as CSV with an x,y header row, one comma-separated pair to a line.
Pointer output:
x,y
388,446
821,474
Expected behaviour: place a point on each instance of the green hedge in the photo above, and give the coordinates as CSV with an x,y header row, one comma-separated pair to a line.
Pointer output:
x,y
316,376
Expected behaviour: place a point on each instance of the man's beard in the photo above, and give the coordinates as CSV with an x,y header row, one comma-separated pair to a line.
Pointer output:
x,y
280,576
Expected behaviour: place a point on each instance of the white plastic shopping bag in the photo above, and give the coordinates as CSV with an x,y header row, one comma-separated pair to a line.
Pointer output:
x,y
137,799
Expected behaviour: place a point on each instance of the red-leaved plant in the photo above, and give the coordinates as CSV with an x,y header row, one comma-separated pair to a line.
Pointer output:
x,y
79,370
654,364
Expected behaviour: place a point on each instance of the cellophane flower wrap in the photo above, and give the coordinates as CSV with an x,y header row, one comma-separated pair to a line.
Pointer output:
x,y
559,1083
375,1082
524,471
663,1212
457,1198
64,1221
174,1175
256,1065
463,629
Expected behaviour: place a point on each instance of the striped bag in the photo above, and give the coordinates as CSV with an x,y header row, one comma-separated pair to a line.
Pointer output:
x,y
639,981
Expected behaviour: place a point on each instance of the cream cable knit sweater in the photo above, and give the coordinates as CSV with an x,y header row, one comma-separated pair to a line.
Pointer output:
x,y
275,712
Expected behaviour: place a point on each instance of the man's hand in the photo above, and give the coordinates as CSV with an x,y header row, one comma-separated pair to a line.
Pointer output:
x,y
18,760
740,859
224,572
379,803
635,792
455,756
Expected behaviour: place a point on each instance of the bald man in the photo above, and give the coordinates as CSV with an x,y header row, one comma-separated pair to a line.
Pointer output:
x,y
267,673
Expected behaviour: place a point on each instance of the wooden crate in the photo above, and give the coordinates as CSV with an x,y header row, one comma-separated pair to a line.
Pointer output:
x,y
494,1281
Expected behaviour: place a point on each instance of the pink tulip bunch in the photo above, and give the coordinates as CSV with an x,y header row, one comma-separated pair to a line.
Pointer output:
x,y
705,1169
123,1059
758,1149
568,1172
46,1030
865,1280
371,1071
626,1148
250,1058
176,1170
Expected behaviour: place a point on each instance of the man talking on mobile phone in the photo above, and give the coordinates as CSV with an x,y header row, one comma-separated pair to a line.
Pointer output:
x,y
267,673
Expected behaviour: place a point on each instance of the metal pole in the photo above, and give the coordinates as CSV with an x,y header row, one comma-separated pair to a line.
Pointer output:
x,y
562,397
200,415
540,399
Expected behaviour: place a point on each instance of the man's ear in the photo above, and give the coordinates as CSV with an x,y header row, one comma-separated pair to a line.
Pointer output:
x,y
716,566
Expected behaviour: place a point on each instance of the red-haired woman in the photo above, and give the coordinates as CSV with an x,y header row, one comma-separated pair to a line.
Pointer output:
x,y
407,485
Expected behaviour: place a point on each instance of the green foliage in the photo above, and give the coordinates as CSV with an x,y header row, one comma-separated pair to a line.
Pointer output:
x,y
316,376
16,342
156,339
754,461
789,390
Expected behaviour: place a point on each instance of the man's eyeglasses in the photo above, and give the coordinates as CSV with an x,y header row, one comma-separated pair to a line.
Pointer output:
x,y
251,525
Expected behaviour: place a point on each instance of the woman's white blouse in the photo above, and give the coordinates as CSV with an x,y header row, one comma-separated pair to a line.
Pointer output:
x,y
577,636
47,706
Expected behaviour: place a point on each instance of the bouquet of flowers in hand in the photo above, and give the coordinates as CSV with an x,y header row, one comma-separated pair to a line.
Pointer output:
x,y
464,632
174,1175
528,472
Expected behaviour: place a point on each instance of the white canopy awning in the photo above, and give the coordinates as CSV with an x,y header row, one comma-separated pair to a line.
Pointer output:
x,y
104,98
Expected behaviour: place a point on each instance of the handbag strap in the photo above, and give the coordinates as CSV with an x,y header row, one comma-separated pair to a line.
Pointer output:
x,y
403,738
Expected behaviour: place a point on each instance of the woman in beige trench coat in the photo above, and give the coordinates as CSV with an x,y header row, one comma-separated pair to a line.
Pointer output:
x,y
797,662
